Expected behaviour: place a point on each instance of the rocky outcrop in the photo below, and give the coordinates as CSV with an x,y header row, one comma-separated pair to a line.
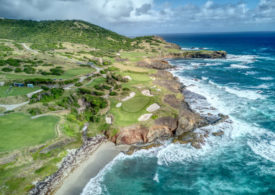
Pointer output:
x,y
188,120
171,123
132,135
219,133
167,80
198,54
155,64
172,100
163,127
158,131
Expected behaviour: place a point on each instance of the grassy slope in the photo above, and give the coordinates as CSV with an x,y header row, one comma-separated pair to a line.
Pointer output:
x,y
15,91
35,131
46,34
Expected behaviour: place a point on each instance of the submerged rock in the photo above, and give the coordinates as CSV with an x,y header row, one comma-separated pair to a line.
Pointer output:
x,y
219,133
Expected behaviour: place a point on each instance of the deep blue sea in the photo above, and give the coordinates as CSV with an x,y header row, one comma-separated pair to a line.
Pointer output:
x,y
240,162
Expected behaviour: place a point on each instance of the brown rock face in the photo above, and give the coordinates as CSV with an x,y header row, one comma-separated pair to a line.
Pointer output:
x,y
163,127
156,64
169,122
188,120
172,100
167,80
132,135
158,131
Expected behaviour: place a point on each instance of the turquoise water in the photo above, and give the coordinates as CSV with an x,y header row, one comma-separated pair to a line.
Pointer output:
x,y
243,160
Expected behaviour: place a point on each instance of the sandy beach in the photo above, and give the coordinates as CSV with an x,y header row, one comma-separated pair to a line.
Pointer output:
x,y
76,181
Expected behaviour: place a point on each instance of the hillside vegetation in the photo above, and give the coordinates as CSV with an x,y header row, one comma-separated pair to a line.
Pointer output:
x,y
46,35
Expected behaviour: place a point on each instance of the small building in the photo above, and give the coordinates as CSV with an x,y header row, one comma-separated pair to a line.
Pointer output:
x,y
30,85
18,84
2,84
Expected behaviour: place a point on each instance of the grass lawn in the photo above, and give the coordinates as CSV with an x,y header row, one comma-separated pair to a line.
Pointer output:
x,y
76,71
135,56
100,80
135,104
130,110
18,130
67,75
137,78
15,91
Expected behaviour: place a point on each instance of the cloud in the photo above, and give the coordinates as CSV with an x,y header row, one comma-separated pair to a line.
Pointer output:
x,y
151,16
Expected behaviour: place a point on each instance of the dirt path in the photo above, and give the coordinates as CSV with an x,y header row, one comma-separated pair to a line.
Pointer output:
x,y
9,107
28,48
29,95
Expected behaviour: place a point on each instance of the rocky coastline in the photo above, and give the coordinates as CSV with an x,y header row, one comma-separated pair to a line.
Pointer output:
x,y
179,128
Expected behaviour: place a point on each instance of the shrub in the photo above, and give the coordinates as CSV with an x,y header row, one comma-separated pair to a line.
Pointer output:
x,y
6,69
45,88
29,70
34,111
113,93
70,81
125,89
37,81
56,71
78,84
2,62
13,62
98,93
18,70
84,91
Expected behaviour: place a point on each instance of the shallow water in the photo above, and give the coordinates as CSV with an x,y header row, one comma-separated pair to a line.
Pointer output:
x,y
243,160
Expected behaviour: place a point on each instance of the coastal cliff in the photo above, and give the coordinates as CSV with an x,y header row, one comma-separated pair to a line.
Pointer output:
x,y
178,126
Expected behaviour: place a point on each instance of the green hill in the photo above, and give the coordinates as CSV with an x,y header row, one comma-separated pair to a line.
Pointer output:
x,y
46,35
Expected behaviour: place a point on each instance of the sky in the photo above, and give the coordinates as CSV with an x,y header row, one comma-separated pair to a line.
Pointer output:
x,y
142,17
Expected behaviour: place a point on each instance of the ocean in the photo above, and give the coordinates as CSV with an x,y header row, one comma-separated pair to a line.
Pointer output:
x,y
242,161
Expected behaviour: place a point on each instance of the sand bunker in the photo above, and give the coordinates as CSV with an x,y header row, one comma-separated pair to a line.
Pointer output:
x,y
144,117
118,105
108,120
147,92
153,108
128,77
132,94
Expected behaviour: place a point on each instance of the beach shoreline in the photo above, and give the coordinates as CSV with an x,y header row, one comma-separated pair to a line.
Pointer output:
x,y
75,182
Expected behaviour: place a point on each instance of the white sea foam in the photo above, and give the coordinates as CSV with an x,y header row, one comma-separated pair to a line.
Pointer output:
x,y
248,94
233,128
262,86
96,186
266,78
204,78
238,66
156,177
264,145
193,48
213,64
241,58
251,73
